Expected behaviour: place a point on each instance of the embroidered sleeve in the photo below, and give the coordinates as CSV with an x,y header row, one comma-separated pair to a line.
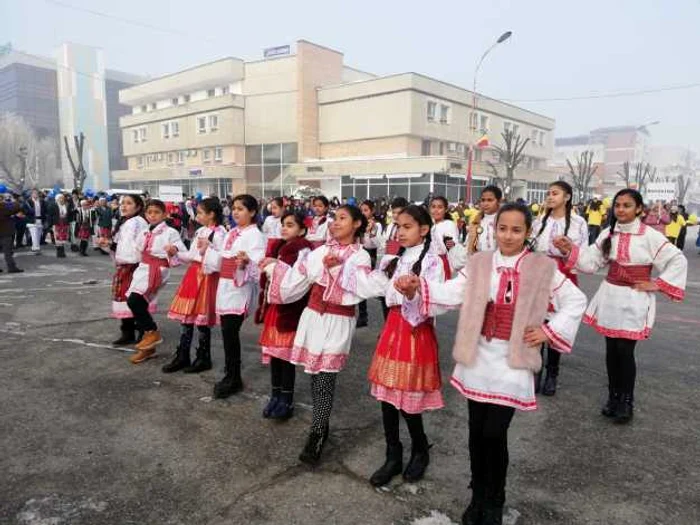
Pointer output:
x,y
436,298
335,291
587,259
457,257
418,309
569,305
361,280
672,266
288,284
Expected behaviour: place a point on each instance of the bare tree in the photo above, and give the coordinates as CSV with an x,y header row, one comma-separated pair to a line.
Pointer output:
x,y
42,169
683,184
582,174
511,154
17,147
495,175
638,175
79,173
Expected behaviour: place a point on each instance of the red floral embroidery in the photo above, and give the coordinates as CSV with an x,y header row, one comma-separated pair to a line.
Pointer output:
x,y
623,247
673,292
496,399
635,335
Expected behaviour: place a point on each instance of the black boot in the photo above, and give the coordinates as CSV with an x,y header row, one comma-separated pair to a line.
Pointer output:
x,y
83,248
492,516
74,248
311,454
550,381
284,408
391,467
274,399
203,360
474,513
611,404
362,319
625,409
420,459
182,356
232,382
128,336
61,252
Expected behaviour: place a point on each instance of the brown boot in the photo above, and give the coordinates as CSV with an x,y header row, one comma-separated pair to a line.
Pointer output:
x,y
150,340
143,355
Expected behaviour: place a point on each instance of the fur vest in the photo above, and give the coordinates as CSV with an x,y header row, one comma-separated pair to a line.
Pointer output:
x,y
535,276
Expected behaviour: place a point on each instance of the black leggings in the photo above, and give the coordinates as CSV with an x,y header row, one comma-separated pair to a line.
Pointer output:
x,y
322,393
488,449
283,375
187,334
390,418
231,334
622,368
142,317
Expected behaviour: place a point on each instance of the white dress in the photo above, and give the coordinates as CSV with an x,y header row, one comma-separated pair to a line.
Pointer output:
x,y
154,242
621,311
128,253
235,296
490,379
194,255
322,342
487,238
373,240
553,228
272,227
318,233
439,231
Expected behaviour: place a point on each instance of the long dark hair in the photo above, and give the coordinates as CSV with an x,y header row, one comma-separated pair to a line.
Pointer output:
x,y
497,192
250,203
519,207
356,215
639,201
138,201
298,219
442,199
213,205
422,217
566,188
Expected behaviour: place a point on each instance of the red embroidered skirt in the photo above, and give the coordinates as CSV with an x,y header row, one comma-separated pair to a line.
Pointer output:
x,y
84,232
273,342
61,232
122,280
106,232
195,299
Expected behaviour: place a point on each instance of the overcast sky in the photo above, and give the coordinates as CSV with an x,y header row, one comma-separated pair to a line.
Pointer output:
x,y
559,49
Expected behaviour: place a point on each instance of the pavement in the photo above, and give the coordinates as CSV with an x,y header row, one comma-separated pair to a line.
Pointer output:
x,y
88,438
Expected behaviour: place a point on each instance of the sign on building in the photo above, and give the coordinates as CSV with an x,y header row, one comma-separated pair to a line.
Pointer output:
x,y
170,193
277,51
661,191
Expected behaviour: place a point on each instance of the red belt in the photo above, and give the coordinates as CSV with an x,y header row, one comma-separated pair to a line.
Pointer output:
x,y
620,275
498,321
566,271
317,304
229,266
154,277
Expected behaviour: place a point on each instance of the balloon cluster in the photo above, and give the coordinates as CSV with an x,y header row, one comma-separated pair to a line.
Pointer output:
x,y
3,188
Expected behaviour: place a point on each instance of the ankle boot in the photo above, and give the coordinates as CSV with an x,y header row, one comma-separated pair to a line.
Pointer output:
x,y
550,381
311,454
203,360
625,409
83,248
474,513
610,406
274,399
492,516
128,336
420,459
182,357
391,467
61,252
284,408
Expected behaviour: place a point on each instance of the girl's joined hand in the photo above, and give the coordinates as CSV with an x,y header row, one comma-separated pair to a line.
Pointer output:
x,y
407,285
330,260
202,243
646,286
171,250
243,260
449,244
535,336
563,244
267,261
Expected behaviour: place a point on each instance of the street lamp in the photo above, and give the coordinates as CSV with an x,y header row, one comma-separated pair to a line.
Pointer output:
x,y
505,36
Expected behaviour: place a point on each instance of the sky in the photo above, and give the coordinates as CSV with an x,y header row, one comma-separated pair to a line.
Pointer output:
x,y
559,49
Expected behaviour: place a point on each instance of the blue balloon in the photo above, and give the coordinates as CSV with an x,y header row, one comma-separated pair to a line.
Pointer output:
x,y
3,188
352,201
198,196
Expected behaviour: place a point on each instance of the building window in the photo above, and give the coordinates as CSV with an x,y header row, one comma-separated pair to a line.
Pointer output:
x,y
144,109
225,90
452,147
211,93
444,114
516,129
135,134
180,157
506,126
484,124
166,130
473,120
171,158
140,161
425,148
175,129
442,148
542,138
153,106
201,124
218,154
432,109
185,98
142,134
461,149
206,155
175,101
213,122
533,136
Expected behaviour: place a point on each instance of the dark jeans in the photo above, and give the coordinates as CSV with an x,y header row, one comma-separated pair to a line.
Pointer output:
x,y
7,247
593,232
142,317
621,365
488,450
20,234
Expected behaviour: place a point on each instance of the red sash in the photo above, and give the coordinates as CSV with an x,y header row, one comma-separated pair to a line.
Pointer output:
x,y
620,275
498,321
317,304
154,278
229,266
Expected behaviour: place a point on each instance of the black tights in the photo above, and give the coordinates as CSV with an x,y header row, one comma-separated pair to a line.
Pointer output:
x,y
142,317
283,375
187,334
322,393
622,368
231,334
488,450
390,418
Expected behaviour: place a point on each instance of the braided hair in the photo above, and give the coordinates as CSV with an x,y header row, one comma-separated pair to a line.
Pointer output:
x,y
566,188
356,215
422,217
639,201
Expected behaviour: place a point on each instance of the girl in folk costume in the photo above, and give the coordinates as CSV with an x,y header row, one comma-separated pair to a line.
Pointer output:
x,y
624,307
237,261
84,224
405,373
272,227
127,257
318,232
60,221
557,220
444,232
281,321
158,244
371,241
505,297
323,338
195,300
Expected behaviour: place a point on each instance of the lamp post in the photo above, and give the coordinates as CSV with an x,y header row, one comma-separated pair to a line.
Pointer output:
x,y
505,36
23,163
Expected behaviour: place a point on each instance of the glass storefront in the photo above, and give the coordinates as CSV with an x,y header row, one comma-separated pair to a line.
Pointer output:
x,y
266,169
415,188
537,191
190,187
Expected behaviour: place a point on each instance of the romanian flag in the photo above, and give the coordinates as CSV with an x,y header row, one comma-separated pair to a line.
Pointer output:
x,y
483,142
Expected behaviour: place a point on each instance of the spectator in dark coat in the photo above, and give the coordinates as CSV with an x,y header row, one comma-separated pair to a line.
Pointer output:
x,y
8,208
